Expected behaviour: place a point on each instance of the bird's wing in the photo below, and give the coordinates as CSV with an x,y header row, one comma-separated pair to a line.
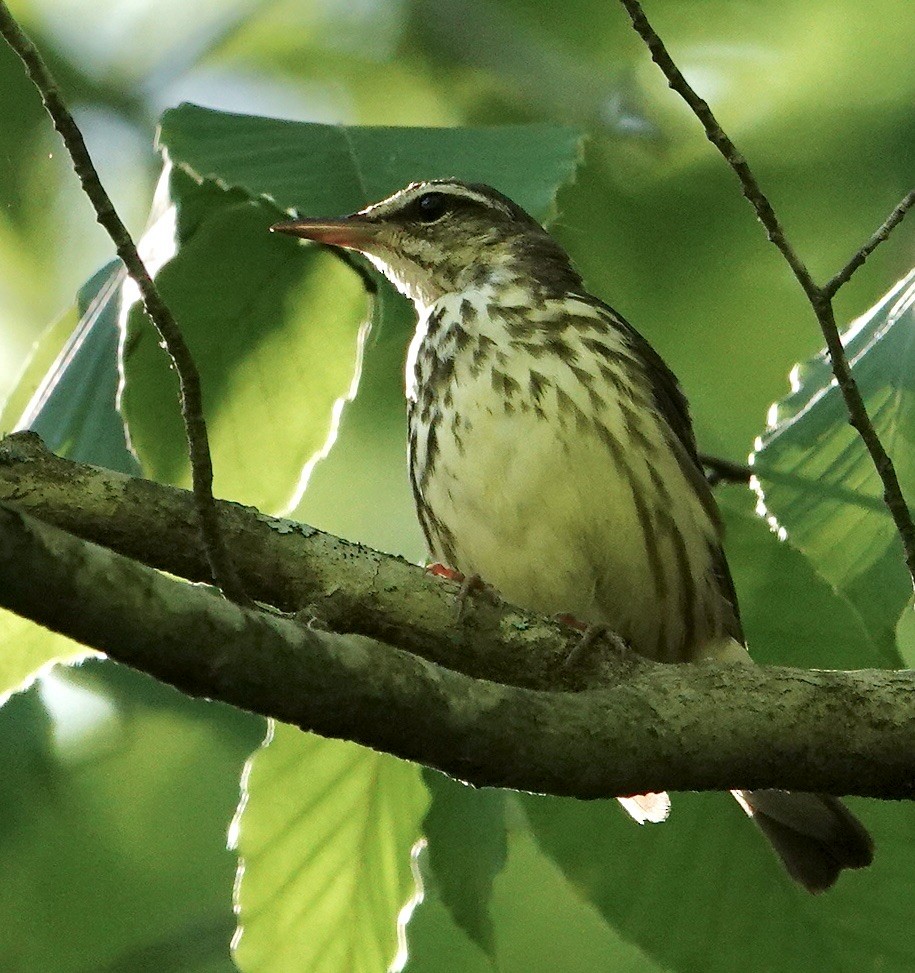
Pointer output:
x,y
672,404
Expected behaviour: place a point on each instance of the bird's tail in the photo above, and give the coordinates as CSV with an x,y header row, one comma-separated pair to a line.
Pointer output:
x,y
646,808
814,835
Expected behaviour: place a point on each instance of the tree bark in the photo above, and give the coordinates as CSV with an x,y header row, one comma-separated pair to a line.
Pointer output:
x,y
487,700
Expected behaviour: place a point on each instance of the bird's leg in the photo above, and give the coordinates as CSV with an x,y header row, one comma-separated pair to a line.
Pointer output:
x,y
470,584
592,633
443,571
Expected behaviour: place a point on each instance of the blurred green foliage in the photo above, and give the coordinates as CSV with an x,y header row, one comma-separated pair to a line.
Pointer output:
x,y
118,793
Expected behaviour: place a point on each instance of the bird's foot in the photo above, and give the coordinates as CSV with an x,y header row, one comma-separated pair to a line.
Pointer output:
x,y
572,622
592,634
471,584
310,616
443,571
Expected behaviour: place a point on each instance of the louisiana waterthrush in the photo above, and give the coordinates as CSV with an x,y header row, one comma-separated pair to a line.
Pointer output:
x,y
552,455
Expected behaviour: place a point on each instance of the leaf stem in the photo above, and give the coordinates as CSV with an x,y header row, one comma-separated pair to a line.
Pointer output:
x,y
223,571
820,297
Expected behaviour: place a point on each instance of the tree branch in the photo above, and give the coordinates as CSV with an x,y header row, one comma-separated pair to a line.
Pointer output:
x,y
345,587
489,734
879,236
650,727
720,470
221,568
820,297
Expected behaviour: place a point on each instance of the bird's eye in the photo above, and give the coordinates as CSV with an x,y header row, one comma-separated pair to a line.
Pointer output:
x,y
431,207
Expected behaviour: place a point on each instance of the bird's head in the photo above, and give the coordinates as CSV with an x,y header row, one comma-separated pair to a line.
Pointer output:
x,y
443,236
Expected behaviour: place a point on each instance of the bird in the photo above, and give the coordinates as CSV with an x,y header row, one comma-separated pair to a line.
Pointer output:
x,y
552,456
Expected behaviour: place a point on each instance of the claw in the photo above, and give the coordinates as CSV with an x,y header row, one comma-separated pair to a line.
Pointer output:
x,y
591,634
470,584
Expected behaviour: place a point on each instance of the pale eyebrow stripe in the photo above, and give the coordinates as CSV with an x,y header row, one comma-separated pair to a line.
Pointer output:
x,y
406,196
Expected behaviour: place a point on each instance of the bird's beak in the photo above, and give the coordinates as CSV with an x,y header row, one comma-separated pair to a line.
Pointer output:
x,y
352,232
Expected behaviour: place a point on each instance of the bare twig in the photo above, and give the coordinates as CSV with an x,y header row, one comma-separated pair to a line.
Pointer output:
x,y
719,470
223,572
718,138
881,234
820,297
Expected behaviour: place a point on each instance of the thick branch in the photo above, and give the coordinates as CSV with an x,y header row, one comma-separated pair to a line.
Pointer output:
x,y
221,568
345,586
657,727
647,726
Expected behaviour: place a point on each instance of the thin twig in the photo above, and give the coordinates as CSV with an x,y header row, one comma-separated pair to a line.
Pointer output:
x,y
721,470
221,565
718,138
881,234
820,297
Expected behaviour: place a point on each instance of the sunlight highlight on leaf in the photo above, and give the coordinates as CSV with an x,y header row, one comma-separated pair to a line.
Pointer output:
x,y
26,648
815,478
325,839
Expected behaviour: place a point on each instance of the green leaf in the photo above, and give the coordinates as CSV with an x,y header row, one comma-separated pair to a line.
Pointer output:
x,y
702,894
114,800
333,169
273,329
465,828
817,479
325,841
25,647
541,923
67,392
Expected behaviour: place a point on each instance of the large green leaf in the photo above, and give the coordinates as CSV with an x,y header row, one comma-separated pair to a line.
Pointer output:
x,y
466,832
333,169
114,800
272,328
325,842
541,922
818,482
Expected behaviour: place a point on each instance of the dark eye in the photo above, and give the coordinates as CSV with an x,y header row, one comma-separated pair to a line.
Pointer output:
x,y
431,207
